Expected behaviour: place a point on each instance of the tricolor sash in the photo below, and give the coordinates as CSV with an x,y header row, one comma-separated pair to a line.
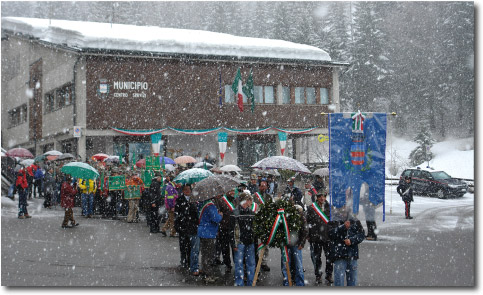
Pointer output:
x,y
228,203
260,198
254,207
320,212
206,205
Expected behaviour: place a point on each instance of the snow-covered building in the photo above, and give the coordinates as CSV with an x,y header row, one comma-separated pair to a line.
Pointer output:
x,y
84,88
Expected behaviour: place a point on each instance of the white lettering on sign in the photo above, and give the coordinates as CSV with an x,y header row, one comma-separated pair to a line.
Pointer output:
x,y
120,94
129,85
143,95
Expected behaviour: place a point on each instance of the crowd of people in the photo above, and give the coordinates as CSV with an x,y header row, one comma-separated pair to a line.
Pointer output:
x,y
218,231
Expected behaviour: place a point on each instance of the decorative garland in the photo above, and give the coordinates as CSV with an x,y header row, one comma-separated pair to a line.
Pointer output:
x,y
207,131
271,215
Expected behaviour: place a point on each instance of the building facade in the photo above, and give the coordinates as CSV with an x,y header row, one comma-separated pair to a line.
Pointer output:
x,y
90,100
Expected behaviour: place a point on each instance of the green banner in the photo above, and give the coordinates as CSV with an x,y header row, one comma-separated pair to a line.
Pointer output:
x,y
152,162
117,182
147,176
132,192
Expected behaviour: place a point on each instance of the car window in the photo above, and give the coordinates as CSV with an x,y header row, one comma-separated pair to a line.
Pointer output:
x,y
440,175
426,175
406,173
417,173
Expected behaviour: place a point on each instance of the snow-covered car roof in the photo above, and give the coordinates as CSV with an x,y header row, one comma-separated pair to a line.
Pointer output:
x,y
105,36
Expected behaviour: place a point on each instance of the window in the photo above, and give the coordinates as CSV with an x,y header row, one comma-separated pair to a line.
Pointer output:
x,y
305,95
310,92
58,98
264,94
324,96
230,95
17,116
269,94
285,95
299,95
258,93
49,102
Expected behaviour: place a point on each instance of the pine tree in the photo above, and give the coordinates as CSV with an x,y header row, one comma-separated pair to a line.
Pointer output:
x,y
423,151
369,70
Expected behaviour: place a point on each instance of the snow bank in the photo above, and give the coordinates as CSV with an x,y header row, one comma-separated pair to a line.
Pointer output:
x,y
94,35
454,156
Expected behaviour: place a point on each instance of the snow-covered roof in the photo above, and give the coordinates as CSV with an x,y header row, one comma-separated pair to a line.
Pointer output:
x,y
92,35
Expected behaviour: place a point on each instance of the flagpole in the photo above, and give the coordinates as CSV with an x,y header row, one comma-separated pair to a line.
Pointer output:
x,y
393,114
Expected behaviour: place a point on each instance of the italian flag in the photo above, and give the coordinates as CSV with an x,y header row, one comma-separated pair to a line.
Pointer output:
x,y
237,87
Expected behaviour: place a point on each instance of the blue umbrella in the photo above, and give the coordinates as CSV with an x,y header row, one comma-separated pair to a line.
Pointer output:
x,y
166,160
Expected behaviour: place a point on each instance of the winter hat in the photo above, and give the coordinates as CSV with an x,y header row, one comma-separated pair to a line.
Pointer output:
x,y
322,192
245,195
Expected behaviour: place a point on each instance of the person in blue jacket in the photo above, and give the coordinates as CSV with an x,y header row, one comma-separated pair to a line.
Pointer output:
x,y
209,220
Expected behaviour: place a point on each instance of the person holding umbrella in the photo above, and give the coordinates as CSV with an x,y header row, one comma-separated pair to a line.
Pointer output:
x,y
67,195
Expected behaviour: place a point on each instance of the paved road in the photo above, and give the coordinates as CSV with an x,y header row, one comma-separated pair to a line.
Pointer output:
x,y
430,250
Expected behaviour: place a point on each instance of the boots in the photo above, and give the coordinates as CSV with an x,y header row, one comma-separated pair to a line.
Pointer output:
x,y
371,235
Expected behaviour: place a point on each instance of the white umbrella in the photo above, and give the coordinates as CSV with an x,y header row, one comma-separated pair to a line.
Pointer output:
x,y
169,167
202,165
53,153
230,168
321,172
281,162
27,162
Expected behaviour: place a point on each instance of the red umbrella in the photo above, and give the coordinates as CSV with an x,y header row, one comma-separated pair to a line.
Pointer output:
x,y
185,160
20,152
141,163
99,157
52,157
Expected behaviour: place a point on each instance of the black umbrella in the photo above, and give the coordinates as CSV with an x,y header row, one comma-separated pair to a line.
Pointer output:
x,y
65,156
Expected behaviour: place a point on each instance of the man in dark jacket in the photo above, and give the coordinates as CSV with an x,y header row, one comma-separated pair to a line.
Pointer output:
x,y
244,241
224,240
154,202
48,187
318,236
186,224
296,195
345,234
405,190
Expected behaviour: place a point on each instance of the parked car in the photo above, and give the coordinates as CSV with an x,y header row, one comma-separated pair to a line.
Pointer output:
x,y
434,183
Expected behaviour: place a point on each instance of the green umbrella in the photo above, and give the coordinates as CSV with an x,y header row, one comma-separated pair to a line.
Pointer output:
x,y
40,158
80,170
192,175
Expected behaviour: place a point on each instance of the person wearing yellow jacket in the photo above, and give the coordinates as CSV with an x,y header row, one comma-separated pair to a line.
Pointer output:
x,y
88,188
